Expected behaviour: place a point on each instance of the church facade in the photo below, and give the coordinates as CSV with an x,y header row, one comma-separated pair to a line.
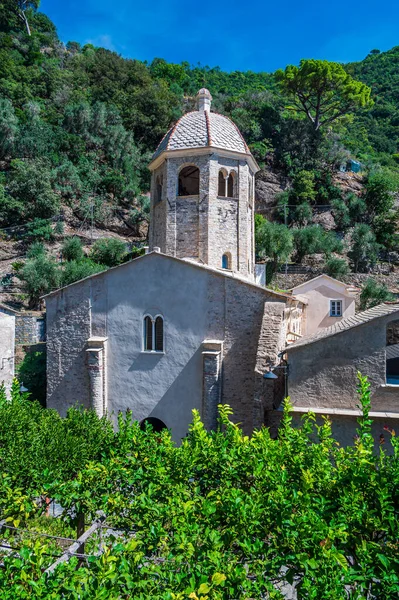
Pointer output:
x,y
184,326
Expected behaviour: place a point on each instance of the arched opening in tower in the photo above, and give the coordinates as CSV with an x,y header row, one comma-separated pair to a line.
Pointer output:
x,y
189,181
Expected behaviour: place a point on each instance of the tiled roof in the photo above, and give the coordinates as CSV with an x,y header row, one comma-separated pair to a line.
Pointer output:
x,y
200,129
382,310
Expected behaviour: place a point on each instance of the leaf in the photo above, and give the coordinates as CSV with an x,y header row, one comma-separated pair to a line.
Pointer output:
x,y
204,588
218,578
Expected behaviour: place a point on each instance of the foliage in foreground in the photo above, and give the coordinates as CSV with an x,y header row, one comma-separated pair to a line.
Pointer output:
x,y
222,516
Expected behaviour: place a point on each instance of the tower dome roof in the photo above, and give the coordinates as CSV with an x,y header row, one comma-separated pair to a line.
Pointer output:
x,y
203,129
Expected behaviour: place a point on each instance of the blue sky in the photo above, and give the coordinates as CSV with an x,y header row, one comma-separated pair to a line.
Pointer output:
x,y
258,35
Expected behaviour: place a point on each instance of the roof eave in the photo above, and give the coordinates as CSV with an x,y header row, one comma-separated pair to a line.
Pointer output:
x,y
158,160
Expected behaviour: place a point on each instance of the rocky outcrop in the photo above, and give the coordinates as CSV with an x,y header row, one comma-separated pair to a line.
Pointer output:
x,y
268,185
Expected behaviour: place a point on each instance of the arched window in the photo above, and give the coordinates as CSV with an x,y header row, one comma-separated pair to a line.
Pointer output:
x,y
158,334
189,181
226,261
222,184
231,191
158,188
153,334
156,424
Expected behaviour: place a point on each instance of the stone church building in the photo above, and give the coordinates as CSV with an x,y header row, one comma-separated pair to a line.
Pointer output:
x,y
184,326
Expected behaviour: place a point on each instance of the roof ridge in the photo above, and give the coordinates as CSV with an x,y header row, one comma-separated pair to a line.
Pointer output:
x,y
347,323
208,128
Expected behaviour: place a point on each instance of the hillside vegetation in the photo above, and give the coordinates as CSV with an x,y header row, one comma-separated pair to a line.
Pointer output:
x,y
78,126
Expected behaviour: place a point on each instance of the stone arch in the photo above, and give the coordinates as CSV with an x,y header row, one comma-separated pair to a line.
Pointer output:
x,y
232,185
392,352
188,181
156,424
222,178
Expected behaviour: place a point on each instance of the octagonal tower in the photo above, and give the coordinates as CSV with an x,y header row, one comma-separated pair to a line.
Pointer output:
x,y
202,192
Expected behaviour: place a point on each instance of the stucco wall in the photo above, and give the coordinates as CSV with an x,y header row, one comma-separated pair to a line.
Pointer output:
x,y
196,305
7,344
318,308
323,374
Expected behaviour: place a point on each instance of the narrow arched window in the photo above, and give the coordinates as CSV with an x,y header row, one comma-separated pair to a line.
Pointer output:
x,y
222,184
226,261
189,181
148,345
158,334
231,185
153,334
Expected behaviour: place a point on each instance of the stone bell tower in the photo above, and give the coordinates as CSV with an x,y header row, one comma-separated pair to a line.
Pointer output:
x,y
202,192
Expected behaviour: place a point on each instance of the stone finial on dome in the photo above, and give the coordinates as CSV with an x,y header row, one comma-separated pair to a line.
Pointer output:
x,y
204,100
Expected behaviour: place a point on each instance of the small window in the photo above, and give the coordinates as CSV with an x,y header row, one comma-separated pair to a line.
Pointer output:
x,y
335,308
231,185
222,184
226,261
153,334
189,182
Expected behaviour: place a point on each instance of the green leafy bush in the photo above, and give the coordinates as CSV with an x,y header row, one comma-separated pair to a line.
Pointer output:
x,y
108,251
221,515
336,267
72,249
39,230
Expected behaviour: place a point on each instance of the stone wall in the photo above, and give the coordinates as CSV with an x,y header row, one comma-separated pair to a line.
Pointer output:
x,y
199,306
323,374
205,227
7,344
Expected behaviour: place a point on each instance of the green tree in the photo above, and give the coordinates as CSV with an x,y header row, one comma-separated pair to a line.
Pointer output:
x,y
272,240
364,248
374,293
108,251
8,127
39,275
19,8
30,184
323,91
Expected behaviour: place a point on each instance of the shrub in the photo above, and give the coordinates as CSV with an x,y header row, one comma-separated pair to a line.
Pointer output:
x,y
35,250
74,271
72,249
108,251
336,267
38,230
307,240
374,293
